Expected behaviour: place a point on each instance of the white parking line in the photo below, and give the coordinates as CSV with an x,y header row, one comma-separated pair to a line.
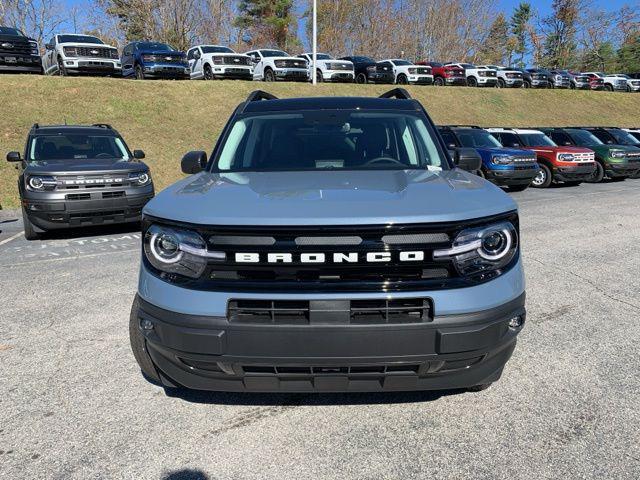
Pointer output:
x,y
7,240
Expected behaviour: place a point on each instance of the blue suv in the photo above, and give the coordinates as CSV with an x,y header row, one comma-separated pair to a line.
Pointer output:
x,y
154,60
506,167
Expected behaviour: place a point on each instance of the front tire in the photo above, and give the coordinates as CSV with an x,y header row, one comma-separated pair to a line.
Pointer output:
x,y
62,71
472,82
139,346
208,73
139,73
439,82
361,78
319,77
501,83
598,175
402,79
543,178
608,88
30,232
526,84
269,76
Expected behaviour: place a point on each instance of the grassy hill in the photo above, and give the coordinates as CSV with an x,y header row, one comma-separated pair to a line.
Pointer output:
x,y
166,119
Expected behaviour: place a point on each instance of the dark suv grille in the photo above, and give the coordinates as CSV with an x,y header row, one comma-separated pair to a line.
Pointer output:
x,y
357,312
330,259
19,47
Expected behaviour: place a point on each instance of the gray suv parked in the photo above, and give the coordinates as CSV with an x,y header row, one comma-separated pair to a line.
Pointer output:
x,y
328,244
73,176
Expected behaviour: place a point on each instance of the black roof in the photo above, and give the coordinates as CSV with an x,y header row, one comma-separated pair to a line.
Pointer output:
x,y
332,103
98,129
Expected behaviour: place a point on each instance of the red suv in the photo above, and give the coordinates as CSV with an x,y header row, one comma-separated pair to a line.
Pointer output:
x,y
446,74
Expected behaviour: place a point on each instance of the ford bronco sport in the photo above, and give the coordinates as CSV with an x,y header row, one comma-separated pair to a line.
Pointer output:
x,y
73,176
328,244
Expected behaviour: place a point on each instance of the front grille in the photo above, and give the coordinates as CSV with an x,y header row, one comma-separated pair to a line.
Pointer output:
x,y
80,182
97,52
291,63
350,258
236,60
423,71
113,194
19,47
584,157
356,312
523,159
78,196
342,66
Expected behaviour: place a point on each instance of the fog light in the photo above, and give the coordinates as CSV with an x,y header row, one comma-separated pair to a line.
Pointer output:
x,y
515,322
146,324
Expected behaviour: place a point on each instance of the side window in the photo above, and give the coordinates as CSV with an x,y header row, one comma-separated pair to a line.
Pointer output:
x,y
560,138
602,136
128,50
190,54
510,140
449,138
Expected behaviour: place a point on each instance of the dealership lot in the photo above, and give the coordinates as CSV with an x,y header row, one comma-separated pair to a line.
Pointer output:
x,y
74,405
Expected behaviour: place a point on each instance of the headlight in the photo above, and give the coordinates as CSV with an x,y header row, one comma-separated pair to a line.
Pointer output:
x,y
412,71
371,68
218,60
279,63
40,183
566,157
148,58
479,251
501,159
177,251
617,154
70,51
482,73
140,179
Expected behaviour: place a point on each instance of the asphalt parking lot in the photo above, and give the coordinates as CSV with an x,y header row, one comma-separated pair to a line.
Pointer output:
x,y
73,403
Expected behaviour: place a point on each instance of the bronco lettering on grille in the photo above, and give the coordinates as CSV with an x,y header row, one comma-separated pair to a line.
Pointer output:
x,y
349,257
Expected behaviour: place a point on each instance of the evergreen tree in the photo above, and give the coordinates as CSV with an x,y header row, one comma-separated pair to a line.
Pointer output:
x,y
629,55
520,29
268,22
495,49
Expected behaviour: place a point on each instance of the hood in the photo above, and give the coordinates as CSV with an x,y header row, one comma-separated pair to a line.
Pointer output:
x,y
561,149
453,70
329,198
162,53
87,45
504,151
15,39
79,167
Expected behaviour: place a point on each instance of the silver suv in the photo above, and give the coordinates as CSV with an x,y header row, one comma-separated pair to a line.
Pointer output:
x,y
329,244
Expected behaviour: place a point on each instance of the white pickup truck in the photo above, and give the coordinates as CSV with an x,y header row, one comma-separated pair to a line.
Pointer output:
x,y
209,62
328,69
270,65
612,83
478,76
407,72
507,77
80,54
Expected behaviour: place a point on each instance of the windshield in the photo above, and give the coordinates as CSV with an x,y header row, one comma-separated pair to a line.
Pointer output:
x,y
273,53
364,59
402,62
623,138
320,56
214,49
61,148
583,137
79,39
158,47
10,31
476,138
330,140
467,65
537,140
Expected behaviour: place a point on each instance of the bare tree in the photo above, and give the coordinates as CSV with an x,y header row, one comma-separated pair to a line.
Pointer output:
x,y
37,18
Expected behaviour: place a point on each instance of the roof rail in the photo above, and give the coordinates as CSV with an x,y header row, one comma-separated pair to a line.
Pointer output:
x,y
35,126
399,93
460,126
102,125
258,95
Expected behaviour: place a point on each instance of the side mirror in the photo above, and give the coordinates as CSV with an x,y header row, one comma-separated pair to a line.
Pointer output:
x,y
254,61
48,46
14,157
515,145
194,162
138,154
467,159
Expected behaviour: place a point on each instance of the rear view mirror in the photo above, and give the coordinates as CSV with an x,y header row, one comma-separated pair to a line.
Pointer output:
x,y
467,159
14,157
138,154
194,162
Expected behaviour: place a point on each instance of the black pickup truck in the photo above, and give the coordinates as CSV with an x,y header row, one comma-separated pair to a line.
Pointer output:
x,y
18,53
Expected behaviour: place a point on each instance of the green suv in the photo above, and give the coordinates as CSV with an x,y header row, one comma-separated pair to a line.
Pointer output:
x,y
614,161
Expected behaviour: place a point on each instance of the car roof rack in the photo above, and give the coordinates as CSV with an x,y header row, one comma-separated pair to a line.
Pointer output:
x,y
461,126
258,95
399,93
103,125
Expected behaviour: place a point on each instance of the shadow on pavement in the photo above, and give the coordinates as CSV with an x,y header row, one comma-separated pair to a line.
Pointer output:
x,y
186,474
92,231
308,399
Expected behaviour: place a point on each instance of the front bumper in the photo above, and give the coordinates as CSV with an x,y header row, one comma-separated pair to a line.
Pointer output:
x,y
166,70
420,79
209,353
574,173
380,77
93,66
292,74
232,73
622,170
514,82
194,345
462,81
508,177
338,76
634,88
487,81
59,214
20,63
